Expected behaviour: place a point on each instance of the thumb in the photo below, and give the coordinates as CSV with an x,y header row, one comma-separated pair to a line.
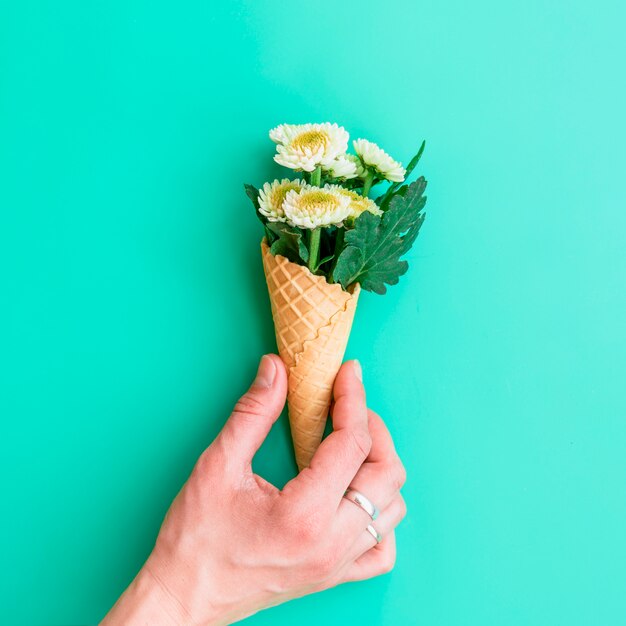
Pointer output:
x,y
257,410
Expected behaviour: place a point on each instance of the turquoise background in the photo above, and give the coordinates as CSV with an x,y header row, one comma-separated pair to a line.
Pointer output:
x,y
134,308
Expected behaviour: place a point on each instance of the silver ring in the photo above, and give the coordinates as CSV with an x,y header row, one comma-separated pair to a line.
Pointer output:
x,y
360,500
372,531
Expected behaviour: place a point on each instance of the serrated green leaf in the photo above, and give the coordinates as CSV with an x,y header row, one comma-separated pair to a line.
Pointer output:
x,y
288,243
350,261
376,243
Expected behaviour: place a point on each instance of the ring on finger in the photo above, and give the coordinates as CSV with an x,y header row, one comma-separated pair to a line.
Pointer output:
x,y
362,501
372,531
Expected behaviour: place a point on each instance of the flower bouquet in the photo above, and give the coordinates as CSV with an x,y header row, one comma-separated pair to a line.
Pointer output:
x,y
326,240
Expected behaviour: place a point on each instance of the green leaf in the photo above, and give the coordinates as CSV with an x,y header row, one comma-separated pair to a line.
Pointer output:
x,y
383,201
269,235
253,193
288,242
376,243
330,257
350,262
414,161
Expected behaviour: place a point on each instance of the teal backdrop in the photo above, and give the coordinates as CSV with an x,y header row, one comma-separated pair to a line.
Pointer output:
x,y
134,310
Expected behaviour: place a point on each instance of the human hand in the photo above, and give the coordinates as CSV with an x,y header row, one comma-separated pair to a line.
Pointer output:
x,y
232,543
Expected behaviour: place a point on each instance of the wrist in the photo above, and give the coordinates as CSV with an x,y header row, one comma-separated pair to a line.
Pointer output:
x,y
147,601
198,595
187,595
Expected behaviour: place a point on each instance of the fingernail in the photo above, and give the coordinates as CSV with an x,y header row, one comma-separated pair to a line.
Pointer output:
x,y
358,370
266,373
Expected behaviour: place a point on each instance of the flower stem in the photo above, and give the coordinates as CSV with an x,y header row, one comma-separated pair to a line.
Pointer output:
x,y
367,183
337,252
316,176
314,249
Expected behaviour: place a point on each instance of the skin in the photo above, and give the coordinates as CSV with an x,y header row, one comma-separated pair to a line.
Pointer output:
x,y
232,544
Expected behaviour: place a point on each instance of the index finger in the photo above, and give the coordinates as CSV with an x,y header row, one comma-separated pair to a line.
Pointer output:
x,y
342,453
383,449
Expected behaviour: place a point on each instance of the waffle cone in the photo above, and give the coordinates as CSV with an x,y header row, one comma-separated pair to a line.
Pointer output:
x,y
312,319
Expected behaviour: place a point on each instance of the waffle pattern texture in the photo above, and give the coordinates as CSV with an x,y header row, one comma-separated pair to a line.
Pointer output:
x,y
312,319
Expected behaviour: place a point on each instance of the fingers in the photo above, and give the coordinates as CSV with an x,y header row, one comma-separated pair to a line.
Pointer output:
x,y
342,453
367,558
382,443
379,479
385,524
256,411
375,562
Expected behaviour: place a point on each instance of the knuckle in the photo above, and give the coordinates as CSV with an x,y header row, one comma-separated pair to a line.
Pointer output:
x,y
206,461
361,441
372,416
249,408
401,474
250,404
388,560
216,462
403,508
396,475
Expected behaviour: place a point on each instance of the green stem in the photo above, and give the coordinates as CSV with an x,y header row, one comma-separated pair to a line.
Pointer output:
x,y
367,183
314,249
316,176
338,246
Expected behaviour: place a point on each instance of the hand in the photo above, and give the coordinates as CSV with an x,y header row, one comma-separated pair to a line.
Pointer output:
x,y
232,544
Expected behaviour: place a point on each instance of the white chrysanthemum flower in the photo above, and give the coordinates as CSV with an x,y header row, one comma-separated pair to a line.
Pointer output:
x,y
359,204
375,157
311,207
272,196
307,146
344,167
360,169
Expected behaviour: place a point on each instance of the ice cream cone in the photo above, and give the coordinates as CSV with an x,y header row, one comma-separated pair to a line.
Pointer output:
x,y
312,319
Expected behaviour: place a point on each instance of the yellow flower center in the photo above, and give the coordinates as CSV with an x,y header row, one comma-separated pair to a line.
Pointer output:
x,y
358,203
278,196
312,140
361,205
318,202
